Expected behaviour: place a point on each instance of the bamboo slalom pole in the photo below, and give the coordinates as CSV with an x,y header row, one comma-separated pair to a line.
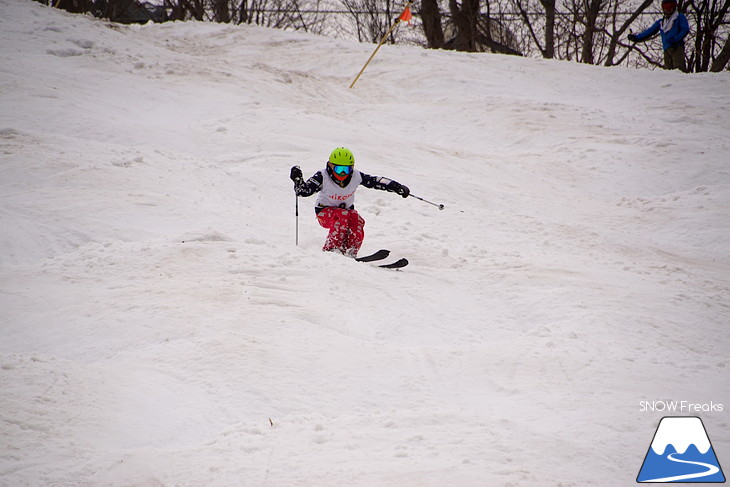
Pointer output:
x,y
382,41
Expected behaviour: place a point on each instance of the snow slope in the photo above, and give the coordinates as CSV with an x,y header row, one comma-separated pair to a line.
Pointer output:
x,y
160,328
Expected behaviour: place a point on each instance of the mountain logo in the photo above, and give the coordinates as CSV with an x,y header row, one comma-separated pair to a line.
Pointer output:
x,y
680,452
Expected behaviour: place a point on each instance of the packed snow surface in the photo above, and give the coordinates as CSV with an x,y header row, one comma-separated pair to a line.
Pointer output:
x,y
161,328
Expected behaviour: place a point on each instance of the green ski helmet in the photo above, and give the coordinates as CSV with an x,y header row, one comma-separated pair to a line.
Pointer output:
x,y
342,157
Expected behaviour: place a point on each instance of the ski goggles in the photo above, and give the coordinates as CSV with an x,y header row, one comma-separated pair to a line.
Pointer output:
x,y
342,170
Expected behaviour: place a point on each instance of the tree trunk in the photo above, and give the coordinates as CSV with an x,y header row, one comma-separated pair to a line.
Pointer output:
x,y
722,59
465,20
591,16
549,6
221,12
432,29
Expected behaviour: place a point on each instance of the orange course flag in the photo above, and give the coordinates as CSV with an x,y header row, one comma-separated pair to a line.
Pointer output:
x,y
406,15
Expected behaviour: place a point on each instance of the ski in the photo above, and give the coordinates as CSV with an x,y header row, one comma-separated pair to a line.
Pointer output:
x,y
395,265
379,255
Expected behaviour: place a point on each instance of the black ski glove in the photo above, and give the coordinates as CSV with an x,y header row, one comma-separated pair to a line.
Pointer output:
x,y
631,37
296,174
397,187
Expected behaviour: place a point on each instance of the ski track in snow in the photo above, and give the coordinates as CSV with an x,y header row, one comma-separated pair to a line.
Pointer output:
x,y
160,327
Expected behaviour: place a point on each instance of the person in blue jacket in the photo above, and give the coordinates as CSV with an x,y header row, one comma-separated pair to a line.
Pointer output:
x,y
673,28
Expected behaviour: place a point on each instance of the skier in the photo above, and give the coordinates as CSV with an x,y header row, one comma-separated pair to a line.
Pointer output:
x,y
335,208
673,28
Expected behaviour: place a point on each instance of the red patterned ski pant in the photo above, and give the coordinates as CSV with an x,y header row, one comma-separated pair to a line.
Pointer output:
x,y
347,230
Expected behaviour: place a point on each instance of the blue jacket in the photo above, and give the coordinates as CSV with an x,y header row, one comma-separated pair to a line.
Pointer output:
x,y
669,39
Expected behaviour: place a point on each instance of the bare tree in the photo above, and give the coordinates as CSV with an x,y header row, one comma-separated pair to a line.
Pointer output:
x,y
549,49
618,32
431,20
591,10
722,58
568,32
709,18
282,14
581,32
185,9
533,20
371,18
464,16
221,12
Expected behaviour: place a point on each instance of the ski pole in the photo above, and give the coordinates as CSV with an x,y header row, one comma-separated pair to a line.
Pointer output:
x,y
440,207
296,213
